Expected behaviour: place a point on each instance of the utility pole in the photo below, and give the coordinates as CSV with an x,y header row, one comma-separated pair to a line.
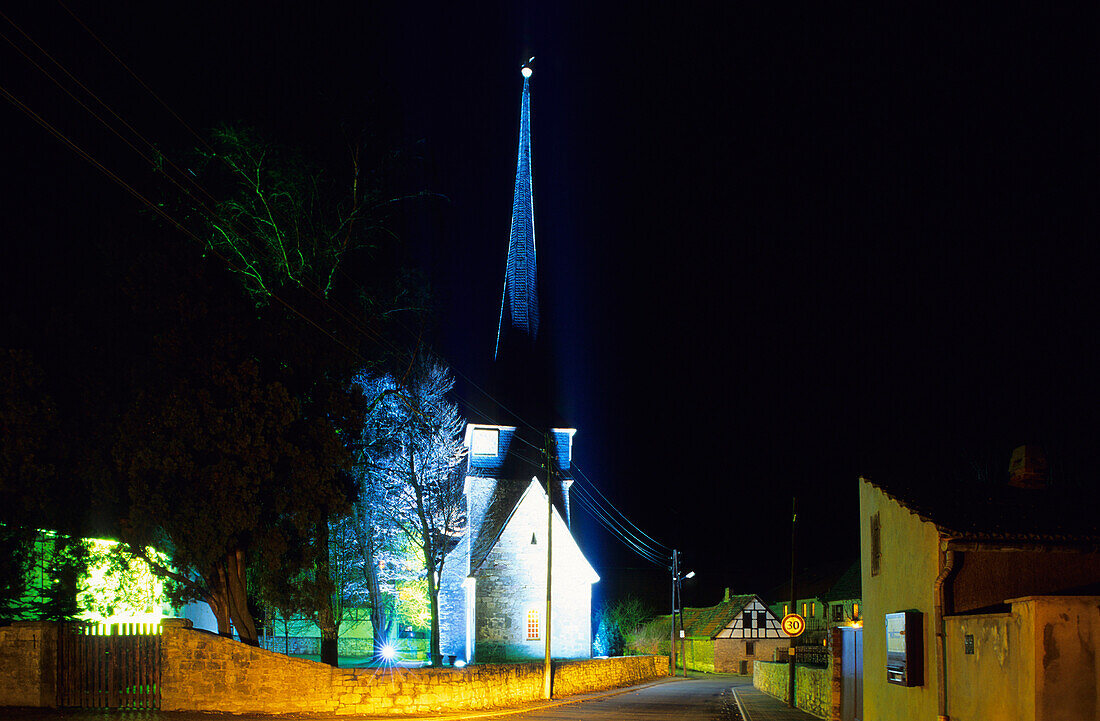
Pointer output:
x,y
683,641
672,633
546,668
794,600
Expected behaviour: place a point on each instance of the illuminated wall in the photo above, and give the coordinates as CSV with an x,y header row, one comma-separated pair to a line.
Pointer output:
x,y
511,584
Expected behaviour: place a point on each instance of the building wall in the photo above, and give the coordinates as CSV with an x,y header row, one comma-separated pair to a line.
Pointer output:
x,y
986,578
909,565
204,672
996,682
512,581
452,600
730,652
28,664
1066,637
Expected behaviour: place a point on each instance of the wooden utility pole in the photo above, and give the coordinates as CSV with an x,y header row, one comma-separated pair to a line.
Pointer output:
x,y
672,633
794,600
546,668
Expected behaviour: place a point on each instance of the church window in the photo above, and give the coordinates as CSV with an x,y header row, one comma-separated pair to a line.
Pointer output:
x,y
533,625
485,442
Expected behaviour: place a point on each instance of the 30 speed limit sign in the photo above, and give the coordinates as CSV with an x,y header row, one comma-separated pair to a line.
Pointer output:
x,y
793,624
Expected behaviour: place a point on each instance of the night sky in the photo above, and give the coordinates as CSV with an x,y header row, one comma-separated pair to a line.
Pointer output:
x,y
778,248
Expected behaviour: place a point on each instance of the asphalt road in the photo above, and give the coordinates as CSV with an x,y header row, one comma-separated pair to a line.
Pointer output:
x,y
699,699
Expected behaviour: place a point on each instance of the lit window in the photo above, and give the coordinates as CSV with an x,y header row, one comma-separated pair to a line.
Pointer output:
x,y
803,609
813,610
485,441
786,609
855,611
533,625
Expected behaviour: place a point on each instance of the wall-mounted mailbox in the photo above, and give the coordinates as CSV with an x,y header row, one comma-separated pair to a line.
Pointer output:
x,y
905,648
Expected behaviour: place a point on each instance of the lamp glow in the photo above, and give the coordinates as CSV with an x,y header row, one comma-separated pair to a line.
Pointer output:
x,y
691,574
459,663
389,652
526,72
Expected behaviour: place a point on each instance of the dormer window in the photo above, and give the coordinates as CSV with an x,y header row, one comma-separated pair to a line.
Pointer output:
x,y
485,442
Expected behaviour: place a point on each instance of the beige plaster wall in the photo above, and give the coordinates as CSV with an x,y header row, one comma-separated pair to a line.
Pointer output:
x,y
909,566
205,672
28,664
993,683
1067,676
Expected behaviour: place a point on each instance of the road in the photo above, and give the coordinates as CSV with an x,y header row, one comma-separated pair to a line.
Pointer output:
x,y
700,699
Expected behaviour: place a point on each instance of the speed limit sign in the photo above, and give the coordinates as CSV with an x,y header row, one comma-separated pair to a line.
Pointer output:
x,y
793,624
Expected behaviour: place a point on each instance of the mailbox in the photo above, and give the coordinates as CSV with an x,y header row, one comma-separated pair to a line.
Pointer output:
x,y
905,648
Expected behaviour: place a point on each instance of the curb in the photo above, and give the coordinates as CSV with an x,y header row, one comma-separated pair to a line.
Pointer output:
x,y
536,706
740,706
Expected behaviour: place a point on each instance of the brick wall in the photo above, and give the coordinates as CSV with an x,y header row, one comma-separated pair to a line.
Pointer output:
x,y
28,664
812,686
204,672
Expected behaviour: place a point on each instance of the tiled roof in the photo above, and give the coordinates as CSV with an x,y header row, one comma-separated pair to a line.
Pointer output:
x,y
705,622
999,512
504,501
850,585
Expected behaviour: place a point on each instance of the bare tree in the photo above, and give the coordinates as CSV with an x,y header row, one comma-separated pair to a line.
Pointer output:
x,y
410,462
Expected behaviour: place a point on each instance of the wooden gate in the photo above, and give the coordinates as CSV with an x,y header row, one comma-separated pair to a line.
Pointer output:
x,y
115,666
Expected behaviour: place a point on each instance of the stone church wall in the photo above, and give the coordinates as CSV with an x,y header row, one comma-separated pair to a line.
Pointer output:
x,y
205,672
512,582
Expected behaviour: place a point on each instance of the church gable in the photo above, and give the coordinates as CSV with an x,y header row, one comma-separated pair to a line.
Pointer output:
x,y
520,544
754,621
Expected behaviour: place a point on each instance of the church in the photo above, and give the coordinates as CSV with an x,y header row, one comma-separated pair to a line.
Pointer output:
x,y
493,588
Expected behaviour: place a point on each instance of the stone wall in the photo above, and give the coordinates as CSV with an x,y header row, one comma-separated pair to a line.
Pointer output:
x,y
28,664
813,691
205,672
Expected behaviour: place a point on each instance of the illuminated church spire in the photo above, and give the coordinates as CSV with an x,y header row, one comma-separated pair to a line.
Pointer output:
x,y
519,306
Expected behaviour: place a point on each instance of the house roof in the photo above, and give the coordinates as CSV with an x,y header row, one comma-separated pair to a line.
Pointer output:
x,y
705,622
994,513
849,585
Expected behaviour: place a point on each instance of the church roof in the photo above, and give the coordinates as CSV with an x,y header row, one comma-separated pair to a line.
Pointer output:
x,y
503,504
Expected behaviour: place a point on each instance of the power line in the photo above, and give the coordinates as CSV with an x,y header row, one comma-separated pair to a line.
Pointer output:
x,y
621,529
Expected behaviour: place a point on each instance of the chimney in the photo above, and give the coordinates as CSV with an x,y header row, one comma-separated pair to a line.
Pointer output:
x,y
1028,468
727,596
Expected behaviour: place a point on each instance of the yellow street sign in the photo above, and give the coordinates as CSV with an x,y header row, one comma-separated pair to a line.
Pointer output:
x,y
793,624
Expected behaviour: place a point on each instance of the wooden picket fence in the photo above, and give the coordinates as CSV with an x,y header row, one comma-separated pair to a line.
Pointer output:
x,y
109,667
